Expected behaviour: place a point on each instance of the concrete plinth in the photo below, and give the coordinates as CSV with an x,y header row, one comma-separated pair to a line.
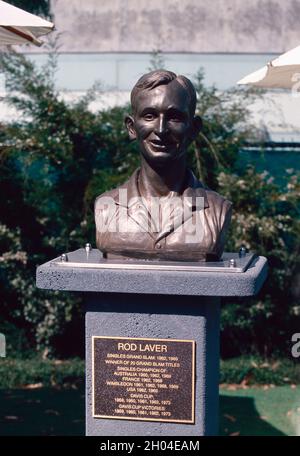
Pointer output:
x,y
157,316
156,304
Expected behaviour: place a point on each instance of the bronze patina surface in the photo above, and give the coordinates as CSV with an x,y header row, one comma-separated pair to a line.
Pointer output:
x,y
163,211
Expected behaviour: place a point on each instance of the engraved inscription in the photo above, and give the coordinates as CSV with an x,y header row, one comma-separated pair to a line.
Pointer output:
x,y
143,379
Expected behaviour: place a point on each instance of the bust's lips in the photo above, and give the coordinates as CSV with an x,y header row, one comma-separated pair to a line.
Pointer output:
x,y
161,146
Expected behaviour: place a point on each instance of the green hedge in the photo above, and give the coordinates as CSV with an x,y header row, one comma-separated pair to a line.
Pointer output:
x,y
253,370
15,373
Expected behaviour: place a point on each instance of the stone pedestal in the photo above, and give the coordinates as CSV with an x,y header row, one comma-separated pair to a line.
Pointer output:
x,y
155,304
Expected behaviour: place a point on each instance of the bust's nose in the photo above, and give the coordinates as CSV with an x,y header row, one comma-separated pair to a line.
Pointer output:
x,y
161,127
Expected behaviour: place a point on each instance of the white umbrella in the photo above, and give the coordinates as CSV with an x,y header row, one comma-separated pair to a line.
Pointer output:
x,y
17,26
282,72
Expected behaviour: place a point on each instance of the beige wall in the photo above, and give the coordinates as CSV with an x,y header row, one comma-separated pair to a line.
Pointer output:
x,y
258,26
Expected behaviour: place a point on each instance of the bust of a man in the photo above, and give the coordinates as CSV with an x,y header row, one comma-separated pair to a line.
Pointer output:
x,y
162,211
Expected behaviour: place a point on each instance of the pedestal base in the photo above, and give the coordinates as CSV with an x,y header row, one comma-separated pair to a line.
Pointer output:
x,y
166,302
158,317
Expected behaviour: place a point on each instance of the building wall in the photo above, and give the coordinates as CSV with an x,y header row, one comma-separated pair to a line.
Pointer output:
x,y
111,41
229,26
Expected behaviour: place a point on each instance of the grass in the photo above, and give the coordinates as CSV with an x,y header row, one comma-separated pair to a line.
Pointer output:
x,y
260,410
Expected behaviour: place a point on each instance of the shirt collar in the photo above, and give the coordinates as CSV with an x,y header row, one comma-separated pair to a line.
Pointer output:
x,y
193,189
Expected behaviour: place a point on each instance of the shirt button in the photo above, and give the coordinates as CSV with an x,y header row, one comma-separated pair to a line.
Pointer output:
x,y
158,246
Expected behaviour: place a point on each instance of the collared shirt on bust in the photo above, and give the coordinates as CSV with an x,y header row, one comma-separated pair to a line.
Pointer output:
x,y
190,226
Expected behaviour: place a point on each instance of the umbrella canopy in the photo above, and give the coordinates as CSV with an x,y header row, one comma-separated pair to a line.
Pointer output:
x,y
17,26
282,72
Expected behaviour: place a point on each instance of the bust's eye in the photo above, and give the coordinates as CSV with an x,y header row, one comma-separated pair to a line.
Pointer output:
x,y
149,116
176,117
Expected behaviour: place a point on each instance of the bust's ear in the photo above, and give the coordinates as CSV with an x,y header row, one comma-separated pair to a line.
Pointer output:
x,y
196,127
129,123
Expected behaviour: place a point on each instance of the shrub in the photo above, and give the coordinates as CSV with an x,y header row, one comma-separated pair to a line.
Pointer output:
x,y
266,221
254,370
42,7
34,372
15,373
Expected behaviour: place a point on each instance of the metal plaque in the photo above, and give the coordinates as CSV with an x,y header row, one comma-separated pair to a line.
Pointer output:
x,y
143,379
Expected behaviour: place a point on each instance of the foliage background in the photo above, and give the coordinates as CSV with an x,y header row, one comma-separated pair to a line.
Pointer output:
x,y
39,7
56,158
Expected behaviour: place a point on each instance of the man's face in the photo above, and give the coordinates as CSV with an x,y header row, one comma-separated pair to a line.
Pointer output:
x,y
162,123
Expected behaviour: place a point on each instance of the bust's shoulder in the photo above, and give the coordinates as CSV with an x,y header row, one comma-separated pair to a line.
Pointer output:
x,y
216,200
219,210
129,188
213,200
109,194
104,210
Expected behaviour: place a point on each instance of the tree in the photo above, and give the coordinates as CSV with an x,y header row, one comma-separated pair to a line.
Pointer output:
x,y
40,7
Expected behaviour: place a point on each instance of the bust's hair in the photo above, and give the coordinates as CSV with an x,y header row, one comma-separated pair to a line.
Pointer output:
x,y
160,77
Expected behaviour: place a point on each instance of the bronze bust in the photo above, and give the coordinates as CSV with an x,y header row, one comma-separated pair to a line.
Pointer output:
x,y
162,211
